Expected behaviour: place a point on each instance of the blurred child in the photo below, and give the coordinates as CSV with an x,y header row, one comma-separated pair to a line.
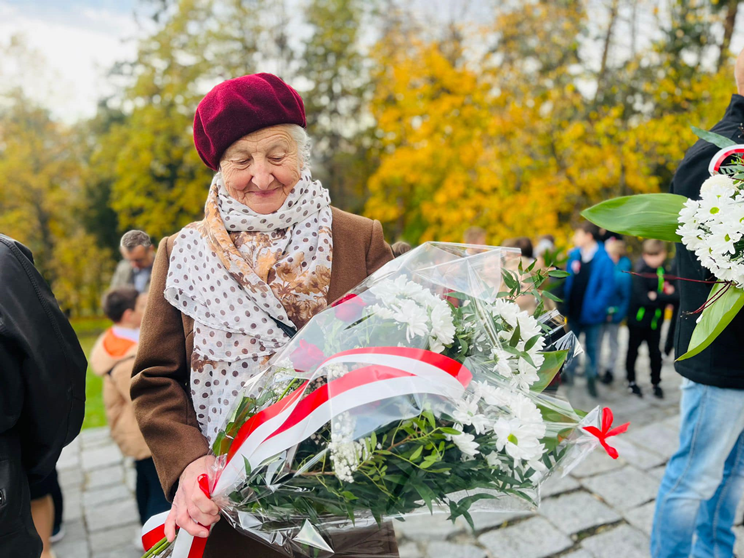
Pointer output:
x,y
113,358
619,303
587,294
650,295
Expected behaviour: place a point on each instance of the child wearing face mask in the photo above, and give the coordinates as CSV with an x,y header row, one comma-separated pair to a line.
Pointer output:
x,y
650,295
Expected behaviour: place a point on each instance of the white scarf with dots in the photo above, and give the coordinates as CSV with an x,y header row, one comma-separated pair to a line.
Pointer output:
x,y
221,274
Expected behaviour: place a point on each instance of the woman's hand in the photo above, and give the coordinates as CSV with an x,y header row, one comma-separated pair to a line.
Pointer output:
x,y
192,510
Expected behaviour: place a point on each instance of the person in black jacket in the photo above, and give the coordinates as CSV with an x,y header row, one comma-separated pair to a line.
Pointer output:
x,y
704,479
649,298
42,392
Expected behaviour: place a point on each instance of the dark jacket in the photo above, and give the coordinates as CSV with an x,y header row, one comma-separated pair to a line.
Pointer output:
x,y
620,300
42,392
600,289
720,364
644,312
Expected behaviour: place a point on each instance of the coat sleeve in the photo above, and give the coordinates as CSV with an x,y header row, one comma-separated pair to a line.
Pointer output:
x,y
160,384
379,252
41,364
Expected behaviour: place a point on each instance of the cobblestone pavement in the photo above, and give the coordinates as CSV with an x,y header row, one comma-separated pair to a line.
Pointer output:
x,y
603,509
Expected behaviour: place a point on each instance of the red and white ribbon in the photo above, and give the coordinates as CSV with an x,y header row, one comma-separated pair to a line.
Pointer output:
x,y
719,158
385,372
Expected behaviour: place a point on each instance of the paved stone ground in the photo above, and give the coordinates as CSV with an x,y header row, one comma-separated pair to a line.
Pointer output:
x,y
603,509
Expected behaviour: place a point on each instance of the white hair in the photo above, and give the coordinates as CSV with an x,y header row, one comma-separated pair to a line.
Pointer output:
x,y
303,141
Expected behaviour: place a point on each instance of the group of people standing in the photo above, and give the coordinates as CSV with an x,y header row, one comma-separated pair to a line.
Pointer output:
x,y
227,292
603,290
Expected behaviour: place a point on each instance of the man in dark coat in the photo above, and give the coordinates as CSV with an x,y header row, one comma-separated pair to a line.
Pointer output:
x,y
42,392
704,480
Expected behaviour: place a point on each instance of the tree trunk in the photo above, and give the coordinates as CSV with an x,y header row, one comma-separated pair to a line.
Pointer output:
x,y
606,47
729,23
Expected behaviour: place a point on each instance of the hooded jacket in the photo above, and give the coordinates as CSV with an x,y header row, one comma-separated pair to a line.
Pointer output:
x,y
42,392
112,358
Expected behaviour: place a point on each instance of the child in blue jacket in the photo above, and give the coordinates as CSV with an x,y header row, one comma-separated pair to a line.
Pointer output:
x,y
587,295
619,303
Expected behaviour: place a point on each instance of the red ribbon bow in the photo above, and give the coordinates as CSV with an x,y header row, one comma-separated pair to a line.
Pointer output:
x,y
605,433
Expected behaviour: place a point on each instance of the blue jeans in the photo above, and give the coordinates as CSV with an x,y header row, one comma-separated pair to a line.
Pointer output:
x,y
704,480
592,335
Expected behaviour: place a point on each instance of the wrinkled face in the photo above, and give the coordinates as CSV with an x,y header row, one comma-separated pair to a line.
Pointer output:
x,y
140,257
260,169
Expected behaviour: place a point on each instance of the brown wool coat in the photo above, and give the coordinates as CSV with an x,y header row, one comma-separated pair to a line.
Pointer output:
x,y
160,381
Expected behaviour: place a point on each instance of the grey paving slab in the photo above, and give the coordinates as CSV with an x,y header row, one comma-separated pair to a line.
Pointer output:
x,y
70,456
71,477
659,438
108,516
596,463
75,542
642,517
622,541
445,549
128,552
114,493
72,507
624,489
580,553
485,521
100,457
657,472
409,550
92,435
577,511
122,537
104,477
532,538
425,527
638,456
556,485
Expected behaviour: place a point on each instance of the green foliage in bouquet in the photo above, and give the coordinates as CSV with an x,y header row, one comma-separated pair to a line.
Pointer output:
x,y
496,442
658,216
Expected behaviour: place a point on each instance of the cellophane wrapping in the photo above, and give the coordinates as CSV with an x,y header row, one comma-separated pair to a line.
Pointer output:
x,y
429,388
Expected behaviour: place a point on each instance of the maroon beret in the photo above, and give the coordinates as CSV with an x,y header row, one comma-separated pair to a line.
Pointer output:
x,y
239,106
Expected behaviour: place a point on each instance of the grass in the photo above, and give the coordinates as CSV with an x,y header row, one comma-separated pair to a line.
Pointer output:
x,y
88,330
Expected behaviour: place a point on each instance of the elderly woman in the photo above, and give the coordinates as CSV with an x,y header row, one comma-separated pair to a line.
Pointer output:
x,y
228,291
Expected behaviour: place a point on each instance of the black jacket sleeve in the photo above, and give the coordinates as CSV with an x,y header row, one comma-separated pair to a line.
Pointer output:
x,y
42,367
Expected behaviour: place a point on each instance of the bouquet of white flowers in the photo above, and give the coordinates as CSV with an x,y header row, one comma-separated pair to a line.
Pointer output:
x,y
711,227
423,389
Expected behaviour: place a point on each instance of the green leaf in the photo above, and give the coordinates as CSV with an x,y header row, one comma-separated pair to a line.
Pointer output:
x,y
551,296
416,453
531,342
715,318
430,417
516,337
712,137
450,431
509,280
550,367
644,215
558,273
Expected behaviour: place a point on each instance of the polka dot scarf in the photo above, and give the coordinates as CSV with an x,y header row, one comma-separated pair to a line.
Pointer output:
x,y
235,271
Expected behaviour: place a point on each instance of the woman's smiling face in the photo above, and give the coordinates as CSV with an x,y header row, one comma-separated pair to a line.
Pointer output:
x,y
260,169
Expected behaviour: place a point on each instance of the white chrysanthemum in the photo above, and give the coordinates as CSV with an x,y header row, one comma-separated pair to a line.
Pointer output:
x,y
415,318
517,439
466,444
442,322
466,413
718,181
506,310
